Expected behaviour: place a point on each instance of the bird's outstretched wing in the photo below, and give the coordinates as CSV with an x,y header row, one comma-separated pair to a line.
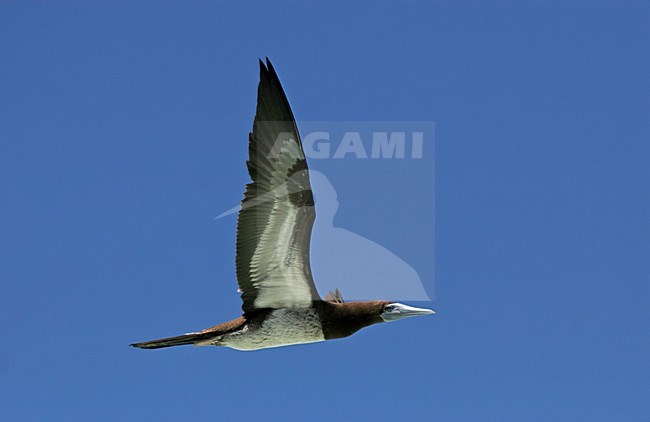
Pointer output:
x,y
277,213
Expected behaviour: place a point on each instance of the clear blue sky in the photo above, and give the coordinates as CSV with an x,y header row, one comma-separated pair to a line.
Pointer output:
x,y
123,134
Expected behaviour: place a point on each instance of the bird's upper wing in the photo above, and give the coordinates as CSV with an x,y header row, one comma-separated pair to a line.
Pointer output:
x,y
277,213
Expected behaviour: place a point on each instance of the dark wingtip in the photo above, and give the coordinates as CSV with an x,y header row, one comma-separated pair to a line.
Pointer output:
x,y
269,65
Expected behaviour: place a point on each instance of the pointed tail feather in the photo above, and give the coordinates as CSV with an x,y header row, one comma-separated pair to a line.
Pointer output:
x,y
190,338
201,338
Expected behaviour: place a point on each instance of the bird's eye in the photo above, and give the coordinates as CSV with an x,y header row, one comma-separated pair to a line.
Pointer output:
x,y
389,308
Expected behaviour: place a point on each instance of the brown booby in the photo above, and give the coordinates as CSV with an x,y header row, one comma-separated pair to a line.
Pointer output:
x,y
280,302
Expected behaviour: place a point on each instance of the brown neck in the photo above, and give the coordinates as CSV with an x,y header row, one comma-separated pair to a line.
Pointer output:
x,y
344,319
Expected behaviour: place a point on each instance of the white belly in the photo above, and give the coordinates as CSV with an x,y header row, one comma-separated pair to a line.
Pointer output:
x,y
282,328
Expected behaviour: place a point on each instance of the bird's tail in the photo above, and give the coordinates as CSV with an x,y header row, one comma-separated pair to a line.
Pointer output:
x,y
190,338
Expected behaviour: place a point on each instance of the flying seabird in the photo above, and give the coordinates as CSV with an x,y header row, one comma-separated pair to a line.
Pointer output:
x,y
280,302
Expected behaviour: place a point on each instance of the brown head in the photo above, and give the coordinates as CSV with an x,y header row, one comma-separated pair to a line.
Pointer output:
x,y
344,319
